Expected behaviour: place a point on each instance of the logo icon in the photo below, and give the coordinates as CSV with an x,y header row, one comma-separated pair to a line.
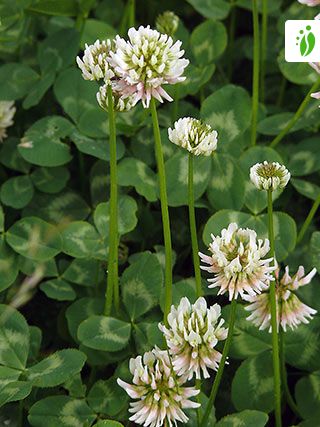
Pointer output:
x,y
302,41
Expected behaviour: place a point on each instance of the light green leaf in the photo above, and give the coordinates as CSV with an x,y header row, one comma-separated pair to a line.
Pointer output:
x,y
106,397
17,192
84,272
42,143
245,418
302,346
9,268
133,172
39,89
57,368
10,157
108,423
94,29
127,219
14,338
80,239
227,184
304,157
58,289
247,339
297,72
60,208
196,77
14,391
34,238
104,333
215,9
50,180
141,285
256,200
307,189
228,110
252,385
55,7
57,411
177,177
16,80
75,94
308,396
98,148
80,310
182,288
208,41
35,343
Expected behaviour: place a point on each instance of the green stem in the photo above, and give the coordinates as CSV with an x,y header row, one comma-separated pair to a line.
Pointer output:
x,y
164,210
112,278
285,387
222,363
297,115
309,218
274,326
132,13
175,104
264,44
193,228
199,413
282,90
256,66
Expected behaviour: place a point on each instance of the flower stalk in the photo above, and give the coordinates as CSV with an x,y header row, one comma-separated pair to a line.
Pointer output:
x,y
225,353
164,209
264,44
308,220
112,290
256,67
193,227
273,306
297,115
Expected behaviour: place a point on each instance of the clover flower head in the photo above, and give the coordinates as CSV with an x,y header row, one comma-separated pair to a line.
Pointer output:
x,y
94,63
7,112
161,396
193,332
167,22
237,262
311,3
291,312
269,176
197,137
147,61
120,103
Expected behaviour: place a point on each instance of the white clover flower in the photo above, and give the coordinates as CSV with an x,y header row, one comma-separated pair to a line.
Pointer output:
x,y
167,23
94,63
237,262
146,62
290,310
269,176
192,334
311,3
120,103
197,137
315,65
161,396
7,112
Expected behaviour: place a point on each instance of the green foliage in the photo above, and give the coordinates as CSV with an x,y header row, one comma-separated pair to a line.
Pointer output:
x,y
60,356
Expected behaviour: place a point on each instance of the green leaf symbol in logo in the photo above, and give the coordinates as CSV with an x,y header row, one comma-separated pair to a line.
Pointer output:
x,y
307,41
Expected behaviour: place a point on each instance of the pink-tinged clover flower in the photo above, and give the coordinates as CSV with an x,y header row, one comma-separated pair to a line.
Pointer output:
x,y
146,62
316,95
311,3
160,395
291,312
237,262
192,334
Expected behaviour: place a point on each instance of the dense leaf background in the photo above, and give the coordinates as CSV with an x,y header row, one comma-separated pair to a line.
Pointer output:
x,y
59,356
